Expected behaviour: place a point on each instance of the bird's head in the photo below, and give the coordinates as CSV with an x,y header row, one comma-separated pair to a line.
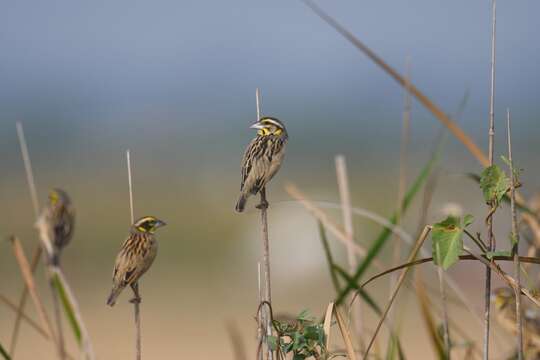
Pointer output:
x,y
148,224
269,126
502,297
58,197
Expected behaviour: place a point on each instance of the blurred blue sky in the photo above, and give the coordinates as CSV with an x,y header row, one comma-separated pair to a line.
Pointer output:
x,y
107,72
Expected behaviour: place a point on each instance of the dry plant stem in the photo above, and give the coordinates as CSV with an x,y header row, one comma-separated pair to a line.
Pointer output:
x,y
426,102
37,250
136,301
345,334
346,208
29,320
22,302
260,322
334,229
263,206
24,317
515,236
31,285
492,205
412,256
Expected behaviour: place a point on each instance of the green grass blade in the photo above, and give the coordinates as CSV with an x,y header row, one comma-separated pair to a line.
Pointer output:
x,y
377,246
4,353
329,257
68,308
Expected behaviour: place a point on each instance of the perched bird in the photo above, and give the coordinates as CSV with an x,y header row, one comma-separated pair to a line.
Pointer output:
x,y
135,257
505,306
60,218
262,159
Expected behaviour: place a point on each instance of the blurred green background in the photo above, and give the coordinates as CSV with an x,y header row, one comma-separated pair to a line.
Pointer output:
x,y
175,83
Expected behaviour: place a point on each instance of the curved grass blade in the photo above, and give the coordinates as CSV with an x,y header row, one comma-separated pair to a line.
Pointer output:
x,y
4,353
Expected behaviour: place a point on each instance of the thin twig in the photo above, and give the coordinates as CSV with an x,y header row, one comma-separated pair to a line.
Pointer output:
x,y
492,204
31,285
29,320
130,185
515,238
265,242
28,169
401,278
423,99
260,324
137,300
36,255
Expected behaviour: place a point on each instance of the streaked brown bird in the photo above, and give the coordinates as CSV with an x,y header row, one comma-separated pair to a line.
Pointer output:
x,y
262,159
135,257
60,218
505,306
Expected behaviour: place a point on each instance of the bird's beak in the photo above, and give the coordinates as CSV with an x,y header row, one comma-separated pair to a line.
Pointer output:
x,y
160,223
257,125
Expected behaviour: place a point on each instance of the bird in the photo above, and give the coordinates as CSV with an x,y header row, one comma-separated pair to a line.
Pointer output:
x,y
505,310
135,257
59,216
262,159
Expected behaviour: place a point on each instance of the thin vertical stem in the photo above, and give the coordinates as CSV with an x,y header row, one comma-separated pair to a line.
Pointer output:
x,y
130,185
137,300
260,324
28,168
265,243
515,239
491,137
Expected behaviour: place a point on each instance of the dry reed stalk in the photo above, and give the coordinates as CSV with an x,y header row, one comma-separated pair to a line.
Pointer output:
x,y
412,256
263,207
346,209
137,299
31,285
492,205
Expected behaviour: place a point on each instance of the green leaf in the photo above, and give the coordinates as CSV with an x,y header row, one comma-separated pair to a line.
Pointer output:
x,y
272,342
447,242
68,308
506,198
4,353
494,183
468,220
491,254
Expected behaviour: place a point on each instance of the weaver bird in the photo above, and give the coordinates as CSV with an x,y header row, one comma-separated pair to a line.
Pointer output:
x,y
505,306
60,218
135,257
262,159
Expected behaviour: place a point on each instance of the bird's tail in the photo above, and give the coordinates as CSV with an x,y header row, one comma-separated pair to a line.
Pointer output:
x,y
241,204
116,290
